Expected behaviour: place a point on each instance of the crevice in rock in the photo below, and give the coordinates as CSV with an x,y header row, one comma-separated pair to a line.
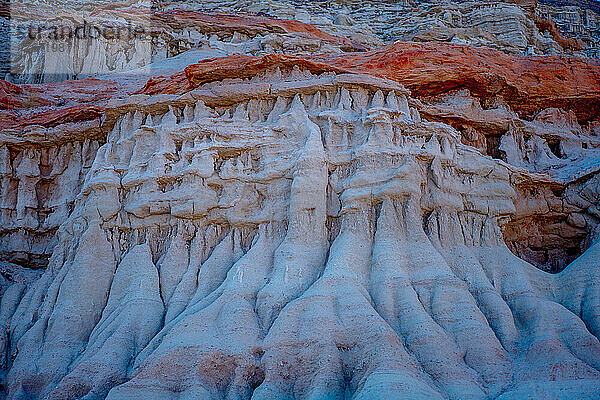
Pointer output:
x,y
547,230
554,146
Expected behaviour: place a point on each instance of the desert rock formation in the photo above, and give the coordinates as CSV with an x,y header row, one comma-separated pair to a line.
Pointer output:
x,y
286,213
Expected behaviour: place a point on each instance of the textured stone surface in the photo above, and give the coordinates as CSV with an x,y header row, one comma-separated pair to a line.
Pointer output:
x,y
528,84
513,26
365,225
163,34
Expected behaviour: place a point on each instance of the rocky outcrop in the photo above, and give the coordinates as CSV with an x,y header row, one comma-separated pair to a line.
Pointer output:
x,y
578,21
548,25
507,27
482,112
585,4
373,224
297,234
167,30
146,35
246,27
511,26
528,84
39,186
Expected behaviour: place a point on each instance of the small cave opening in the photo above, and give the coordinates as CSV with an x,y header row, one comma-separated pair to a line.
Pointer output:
x,y
539,242
554,146
493,147
558,192
543,231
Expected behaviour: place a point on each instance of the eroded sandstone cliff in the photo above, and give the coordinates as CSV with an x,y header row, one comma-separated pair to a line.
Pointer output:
x,y
335,223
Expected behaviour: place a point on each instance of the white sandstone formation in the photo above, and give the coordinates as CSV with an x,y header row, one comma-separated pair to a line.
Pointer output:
x,y
290,236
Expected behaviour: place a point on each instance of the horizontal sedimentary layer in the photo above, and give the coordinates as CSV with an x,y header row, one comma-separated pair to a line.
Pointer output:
x,y
352,225
289,235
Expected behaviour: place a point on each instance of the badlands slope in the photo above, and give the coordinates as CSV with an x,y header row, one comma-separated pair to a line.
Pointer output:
x,y
328,222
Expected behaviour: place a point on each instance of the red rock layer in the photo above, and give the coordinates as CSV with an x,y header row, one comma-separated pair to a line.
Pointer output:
x,y
13,97
54,104
237,66
528,84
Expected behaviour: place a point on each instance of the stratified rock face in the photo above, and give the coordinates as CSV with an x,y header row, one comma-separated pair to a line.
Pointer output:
x,y
512,26
165,29
157,35
357,224
39,187
296,236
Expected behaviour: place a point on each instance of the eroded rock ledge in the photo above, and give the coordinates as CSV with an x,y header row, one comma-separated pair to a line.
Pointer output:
x,y
306,230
